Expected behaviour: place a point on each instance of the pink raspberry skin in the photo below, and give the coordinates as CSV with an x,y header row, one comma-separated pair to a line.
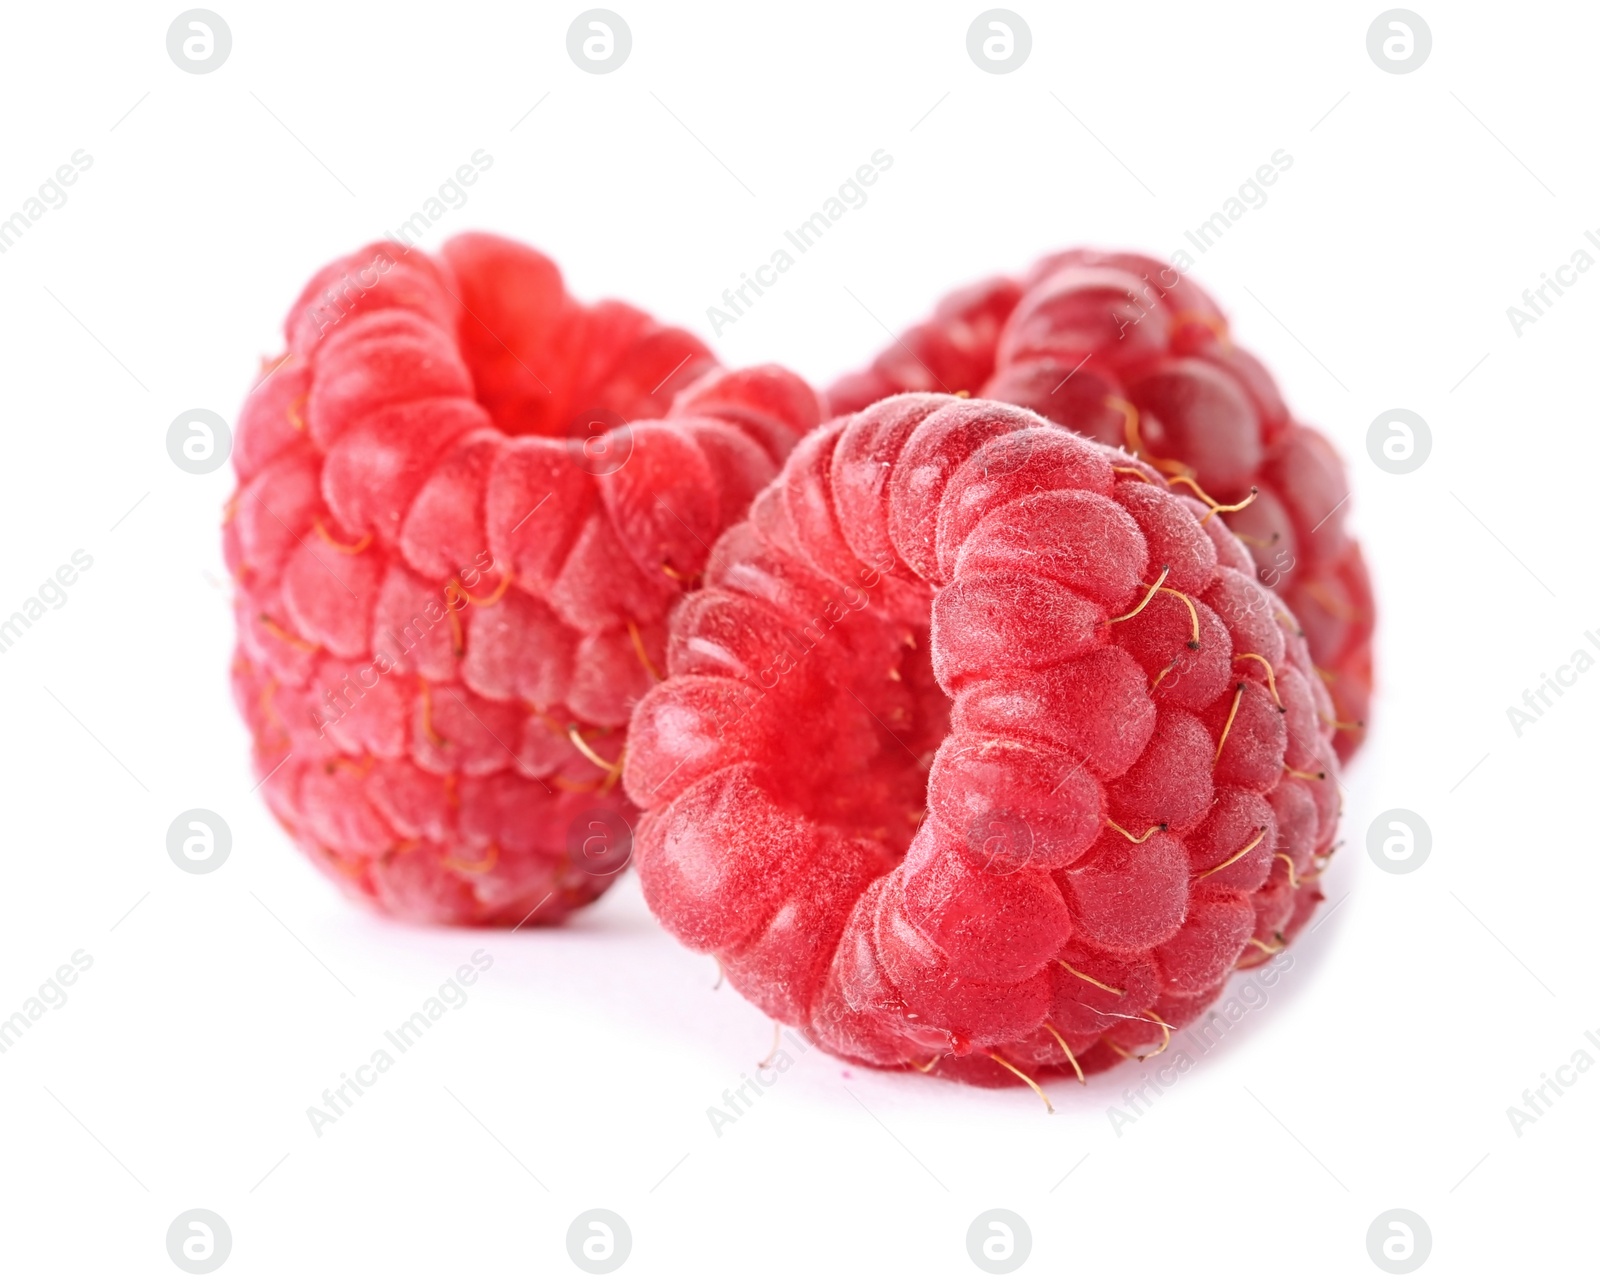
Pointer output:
x,y
1126,350
466,504
981,751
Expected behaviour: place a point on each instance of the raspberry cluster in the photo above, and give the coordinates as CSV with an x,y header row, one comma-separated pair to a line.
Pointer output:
x,y
466,504
982,750
1125,350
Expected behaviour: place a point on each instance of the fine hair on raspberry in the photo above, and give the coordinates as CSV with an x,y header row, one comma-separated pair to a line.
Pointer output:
x,y
982,751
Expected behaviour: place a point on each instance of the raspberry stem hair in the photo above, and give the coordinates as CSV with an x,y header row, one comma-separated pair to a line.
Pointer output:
x,y
777,1034
1025,1079
1160,827
638,650
1084,976
1272,678
283,635
1233,712
1150,592
1057,1035
360,546
1194,616
1166,1033
1130,429
1238,855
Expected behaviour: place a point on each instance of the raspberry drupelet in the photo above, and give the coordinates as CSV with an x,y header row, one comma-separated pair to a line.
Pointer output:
x,y
1128,351
982,751
465,504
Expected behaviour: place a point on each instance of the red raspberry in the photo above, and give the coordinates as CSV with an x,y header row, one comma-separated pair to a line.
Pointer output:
x,y
981,750
466,504
1123,349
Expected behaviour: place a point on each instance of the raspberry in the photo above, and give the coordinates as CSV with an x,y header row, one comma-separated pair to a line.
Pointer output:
x,y
981,750
1104,345
466,503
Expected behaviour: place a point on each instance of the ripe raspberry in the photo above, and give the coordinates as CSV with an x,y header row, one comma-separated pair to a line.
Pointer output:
x,y
1102,344
466,504
981,750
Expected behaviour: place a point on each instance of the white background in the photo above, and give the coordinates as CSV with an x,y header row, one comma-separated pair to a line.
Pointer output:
x,y
580,1072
